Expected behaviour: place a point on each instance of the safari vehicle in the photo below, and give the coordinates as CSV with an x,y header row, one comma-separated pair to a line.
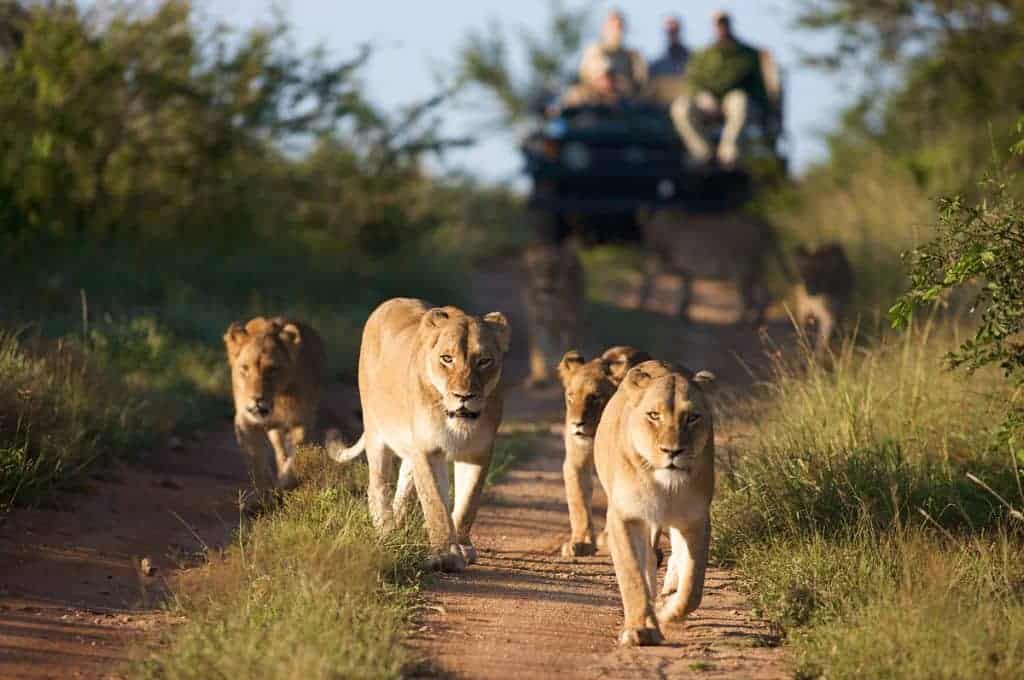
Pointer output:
x,y
606,164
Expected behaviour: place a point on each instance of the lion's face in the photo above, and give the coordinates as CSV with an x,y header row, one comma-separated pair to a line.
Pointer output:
x,y
822,268
464,360
261,354
545,267
589,386
670,420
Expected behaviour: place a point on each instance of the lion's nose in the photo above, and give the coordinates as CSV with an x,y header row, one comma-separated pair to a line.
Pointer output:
x,y
579,424
259,406
464,396
673,452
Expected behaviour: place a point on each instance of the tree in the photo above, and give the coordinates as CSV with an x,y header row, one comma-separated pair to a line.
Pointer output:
x,y
484,60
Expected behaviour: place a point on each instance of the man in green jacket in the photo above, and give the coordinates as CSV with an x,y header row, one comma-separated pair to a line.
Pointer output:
x,y
723,79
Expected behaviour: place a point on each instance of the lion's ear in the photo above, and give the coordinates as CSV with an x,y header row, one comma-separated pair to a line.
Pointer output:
x,y
570,363
290,334
234,338
618,360
435,318
636,380
497,322
704,378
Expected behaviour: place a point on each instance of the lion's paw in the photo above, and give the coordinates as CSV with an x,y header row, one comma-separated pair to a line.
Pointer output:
x,y
580,549
640,637
468,552
450,561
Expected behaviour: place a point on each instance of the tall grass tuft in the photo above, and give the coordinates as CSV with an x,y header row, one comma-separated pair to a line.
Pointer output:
x,y
61,410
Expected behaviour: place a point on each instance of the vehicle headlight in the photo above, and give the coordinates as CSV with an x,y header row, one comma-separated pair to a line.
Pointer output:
x,y
576,156
556,128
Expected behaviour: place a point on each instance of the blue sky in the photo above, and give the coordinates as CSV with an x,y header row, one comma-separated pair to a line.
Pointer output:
x,y
414,39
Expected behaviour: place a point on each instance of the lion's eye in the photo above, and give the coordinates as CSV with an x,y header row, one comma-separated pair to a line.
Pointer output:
x,y
245,368
447,359
693,419
654,415
485,362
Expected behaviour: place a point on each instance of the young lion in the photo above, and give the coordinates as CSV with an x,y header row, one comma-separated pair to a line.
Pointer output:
x,y
654,452
588,387
553,297
429,385
278,372
825,288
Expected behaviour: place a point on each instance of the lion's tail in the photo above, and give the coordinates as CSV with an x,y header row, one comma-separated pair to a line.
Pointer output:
x,y
340,454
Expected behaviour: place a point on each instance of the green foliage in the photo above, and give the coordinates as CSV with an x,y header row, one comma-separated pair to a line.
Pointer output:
x,y
948,86
137,121
978,247
63,409
484,59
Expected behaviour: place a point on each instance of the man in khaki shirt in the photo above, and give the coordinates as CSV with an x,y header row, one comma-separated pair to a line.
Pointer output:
x,y
627,65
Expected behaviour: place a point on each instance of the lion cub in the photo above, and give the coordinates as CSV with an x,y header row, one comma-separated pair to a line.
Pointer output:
x,y
553,297
654,453
824,292
588,387
278,372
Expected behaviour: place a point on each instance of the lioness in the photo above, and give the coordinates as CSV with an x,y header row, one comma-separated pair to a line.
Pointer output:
x,y
588,387
823,293
654,452
278,372
429,385
553,297
716,246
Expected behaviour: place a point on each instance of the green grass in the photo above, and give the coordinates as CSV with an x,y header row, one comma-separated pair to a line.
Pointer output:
x,y
61,413
847,509
306,591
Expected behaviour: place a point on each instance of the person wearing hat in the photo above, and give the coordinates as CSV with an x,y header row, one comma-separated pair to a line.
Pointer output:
x,y
673,62
628,66
725,78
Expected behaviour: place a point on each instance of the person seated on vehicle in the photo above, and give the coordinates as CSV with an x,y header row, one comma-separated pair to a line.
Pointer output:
x,y
628,67
666,82
673,61
601,87
724,79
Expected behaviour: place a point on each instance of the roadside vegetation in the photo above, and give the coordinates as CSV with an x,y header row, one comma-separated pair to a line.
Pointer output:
x,y
873,505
